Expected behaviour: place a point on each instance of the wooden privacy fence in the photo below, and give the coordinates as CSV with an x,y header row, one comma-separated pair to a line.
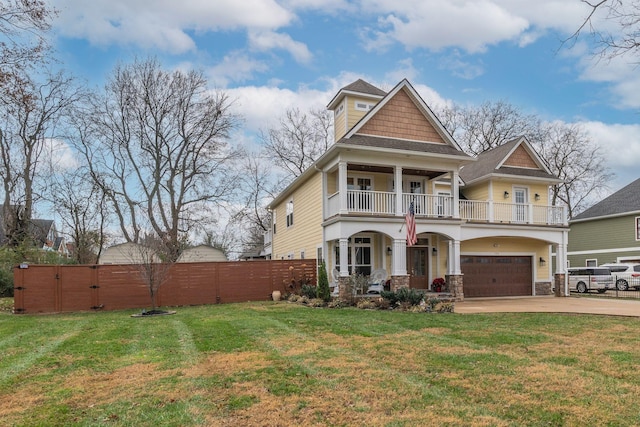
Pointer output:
x,y
67,288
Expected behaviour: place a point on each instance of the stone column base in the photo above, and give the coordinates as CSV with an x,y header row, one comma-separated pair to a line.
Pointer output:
x,y
344,292
559,279
455,286
398,282
543,288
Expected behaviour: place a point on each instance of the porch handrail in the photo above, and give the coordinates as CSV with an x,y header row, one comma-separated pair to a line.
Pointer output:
x,y
441,206
373,202
428,205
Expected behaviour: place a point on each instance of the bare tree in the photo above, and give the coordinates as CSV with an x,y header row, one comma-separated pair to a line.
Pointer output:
x,y
157,146
489,125
566,149
23,26
625,16
83,212
578,161
258,190
30,114
299,140
152,262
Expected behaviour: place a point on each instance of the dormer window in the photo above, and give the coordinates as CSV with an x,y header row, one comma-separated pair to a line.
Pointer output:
x,y
340,109
364,106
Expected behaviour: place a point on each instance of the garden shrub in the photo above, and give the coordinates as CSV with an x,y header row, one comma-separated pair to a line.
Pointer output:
x,y
323,292
308,291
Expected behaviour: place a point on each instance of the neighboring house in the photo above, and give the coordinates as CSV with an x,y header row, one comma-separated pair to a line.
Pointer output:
x,y
125,253
483,223
202,253
42,232
609,231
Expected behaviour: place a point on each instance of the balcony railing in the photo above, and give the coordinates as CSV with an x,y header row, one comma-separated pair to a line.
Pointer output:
x,y
441,206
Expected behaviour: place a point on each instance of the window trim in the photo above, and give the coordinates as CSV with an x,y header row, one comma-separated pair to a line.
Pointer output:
x,y
367,105
289,211
586,262
637,228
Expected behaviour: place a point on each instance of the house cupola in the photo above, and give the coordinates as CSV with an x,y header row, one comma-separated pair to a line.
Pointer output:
x,y
351,103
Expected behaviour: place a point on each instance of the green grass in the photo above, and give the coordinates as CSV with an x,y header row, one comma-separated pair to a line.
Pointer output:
x,y
284,364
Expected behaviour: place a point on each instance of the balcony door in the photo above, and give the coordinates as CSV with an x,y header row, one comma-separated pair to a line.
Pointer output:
x,y
416,187
359,201
520,209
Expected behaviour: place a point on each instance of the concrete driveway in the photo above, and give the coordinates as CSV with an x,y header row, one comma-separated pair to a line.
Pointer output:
x,y
550,304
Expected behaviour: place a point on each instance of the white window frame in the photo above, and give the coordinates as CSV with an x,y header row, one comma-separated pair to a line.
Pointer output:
x,y
637,228
340,109
363,106
593,260
290,213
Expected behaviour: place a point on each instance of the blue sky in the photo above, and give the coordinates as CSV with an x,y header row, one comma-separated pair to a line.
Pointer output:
x,y
272,55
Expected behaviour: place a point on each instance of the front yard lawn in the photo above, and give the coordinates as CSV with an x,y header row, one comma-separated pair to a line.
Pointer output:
x,y
262,364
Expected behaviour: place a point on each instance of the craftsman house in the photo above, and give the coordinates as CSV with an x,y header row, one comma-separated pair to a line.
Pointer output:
x,y
609,231
484,224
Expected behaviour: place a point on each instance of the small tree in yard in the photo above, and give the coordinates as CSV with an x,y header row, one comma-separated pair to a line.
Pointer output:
x,y
323,291
153,267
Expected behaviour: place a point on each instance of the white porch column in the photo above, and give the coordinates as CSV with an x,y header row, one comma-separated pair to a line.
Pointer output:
x,y
325,195
397,180
399,260
561,261
344,257
453,258
342,187
455,188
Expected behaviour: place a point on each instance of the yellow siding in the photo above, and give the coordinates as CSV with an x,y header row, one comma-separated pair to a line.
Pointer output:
x,y
500,187
507,246
381,182
339,127
439,189
306,232
478,192
353,115
332,183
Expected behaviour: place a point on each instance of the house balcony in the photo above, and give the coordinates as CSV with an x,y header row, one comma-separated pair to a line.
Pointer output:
x,y
382,203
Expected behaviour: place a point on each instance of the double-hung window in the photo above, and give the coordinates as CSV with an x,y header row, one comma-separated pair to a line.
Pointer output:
x,y
290,213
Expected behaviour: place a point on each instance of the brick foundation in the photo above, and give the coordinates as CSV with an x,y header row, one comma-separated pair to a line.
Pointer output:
x,y
455,286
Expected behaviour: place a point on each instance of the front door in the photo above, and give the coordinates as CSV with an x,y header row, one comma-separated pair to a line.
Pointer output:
x,y
418,267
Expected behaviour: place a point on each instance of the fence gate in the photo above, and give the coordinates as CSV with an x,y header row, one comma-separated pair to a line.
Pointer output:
x,y
36,290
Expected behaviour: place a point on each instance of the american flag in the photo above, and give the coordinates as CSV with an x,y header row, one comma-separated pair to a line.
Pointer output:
x,y
410,219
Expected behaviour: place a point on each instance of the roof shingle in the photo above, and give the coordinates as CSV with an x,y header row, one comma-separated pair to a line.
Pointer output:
x,y
627,199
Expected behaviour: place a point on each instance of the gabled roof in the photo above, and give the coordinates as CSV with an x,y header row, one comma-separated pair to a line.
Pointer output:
x,y
359,87
417,100
499,161
625,200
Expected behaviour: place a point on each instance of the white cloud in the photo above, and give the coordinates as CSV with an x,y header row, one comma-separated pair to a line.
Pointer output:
x,y
621,147
434,24
262,106
236,66
405,70
61,155
163,24
269,40
621,74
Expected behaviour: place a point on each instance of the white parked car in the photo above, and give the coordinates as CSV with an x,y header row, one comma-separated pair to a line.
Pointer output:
x,y
585,279
626,275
